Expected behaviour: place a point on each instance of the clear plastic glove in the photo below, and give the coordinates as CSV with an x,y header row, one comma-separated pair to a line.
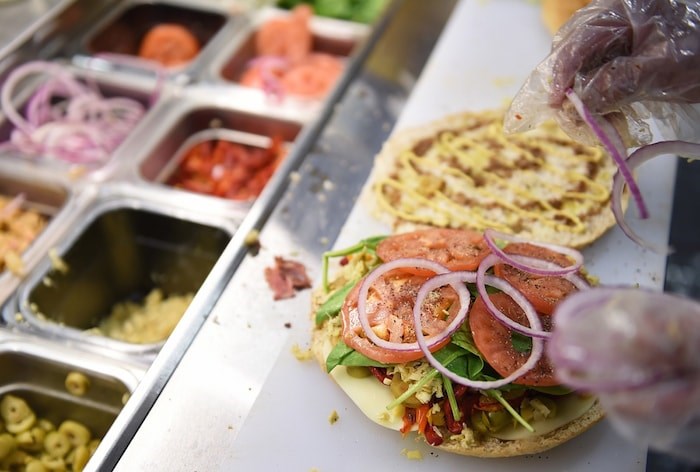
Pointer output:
x,y
626,59
639,352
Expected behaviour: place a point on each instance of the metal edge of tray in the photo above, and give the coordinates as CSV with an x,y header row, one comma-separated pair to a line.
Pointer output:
x,y
25,31
134,412
129,423
110,197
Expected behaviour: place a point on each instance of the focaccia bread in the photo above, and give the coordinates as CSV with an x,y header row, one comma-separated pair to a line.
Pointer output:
x,y
462,171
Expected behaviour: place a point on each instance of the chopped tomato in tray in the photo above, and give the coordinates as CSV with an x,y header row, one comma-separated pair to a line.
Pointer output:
x,y
227,169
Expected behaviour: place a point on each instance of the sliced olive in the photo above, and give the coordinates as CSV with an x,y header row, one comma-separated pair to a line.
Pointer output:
x,y
358,372
14,410
32,440
398,387
77,434
36,466
81,456
56,444
8,445
77,383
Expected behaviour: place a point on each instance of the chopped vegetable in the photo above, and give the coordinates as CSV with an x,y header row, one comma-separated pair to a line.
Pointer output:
x,y
227,169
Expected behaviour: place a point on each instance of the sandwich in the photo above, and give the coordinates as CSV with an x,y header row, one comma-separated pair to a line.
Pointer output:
x,y
442,332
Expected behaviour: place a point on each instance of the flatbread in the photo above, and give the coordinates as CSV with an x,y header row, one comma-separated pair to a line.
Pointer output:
x,y
462,171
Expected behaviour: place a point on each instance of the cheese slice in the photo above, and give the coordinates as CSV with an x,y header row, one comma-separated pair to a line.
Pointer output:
x,y
372,398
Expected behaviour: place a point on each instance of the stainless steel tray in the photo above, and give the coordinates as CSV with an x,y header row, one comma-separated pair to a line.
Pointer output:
x,y
118,226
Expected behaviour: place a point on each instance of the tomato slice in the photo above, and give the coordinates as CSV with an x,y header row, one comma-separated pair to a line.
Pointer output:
x,y
170,44
544,292
456,249
494,341
390,312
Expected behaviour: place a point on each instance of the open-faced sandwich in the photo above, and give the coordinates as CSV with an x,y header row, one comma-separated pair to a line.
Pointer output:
x,y
443,332
463,171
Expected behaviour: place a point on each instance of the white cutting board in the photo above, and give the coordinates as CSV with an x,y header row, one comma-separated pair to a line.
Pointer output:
x,y
482,57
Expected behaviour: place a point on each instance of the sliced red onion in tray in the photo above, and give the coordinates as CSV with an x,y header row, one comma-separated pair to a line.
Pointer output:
x,y
457,278
622,339
373,276
611,141
529,264
637,158
84,128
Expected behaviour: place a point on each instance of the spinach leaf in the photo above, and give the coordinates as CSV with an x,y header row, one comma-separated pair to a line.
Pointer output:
x,y
342,354
520,342
331,307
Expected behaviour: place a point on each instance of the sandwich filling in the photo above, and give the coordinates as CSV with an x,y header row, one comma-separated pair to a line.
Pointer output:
x,y
386,372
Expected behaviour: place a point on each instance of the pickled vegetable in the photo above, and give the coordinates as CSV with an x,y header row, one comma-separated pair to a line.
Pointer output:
x,y
41,447
18,228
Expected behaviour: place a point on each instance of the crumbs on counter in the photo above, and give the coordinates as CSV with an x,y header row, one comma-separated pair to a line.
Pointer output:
x,y
333,417
286,277
301,354
412,454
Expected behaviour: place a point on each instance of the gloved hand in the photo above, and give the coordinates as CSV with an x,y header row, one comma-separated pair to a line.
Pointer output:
x,y
638,57
639,352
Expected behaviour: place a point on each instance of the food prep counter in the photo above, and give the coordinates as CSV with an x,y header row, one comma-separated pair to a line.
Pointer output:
x,y
224,390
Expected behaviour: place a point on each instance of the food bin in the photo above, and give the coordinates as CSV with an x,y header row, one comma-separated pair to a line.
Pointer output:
x,y
202,124
144,92
124,30
119,251
337,38
38,372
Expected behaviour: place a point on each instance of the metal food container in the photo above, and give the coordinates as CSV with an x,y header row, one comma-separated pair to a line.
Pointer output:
x,y
204,123
335,37
109,86
37,372
118,33
121,249
48,198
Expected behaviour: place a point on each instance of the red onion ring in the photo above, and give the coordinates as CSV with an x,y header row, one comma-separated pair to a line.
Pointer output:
x,y
531,264
85,128
611,141
637,158
460,288
535,329
451,279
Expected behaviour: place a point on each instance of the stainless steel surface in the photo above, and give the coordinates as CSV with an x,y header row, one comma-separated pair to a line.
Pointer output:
x,y
221,373
22,18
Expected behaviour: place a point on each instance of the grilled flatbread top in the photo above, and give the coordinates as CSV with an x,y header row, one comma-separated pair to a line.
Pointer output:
x,y
463,172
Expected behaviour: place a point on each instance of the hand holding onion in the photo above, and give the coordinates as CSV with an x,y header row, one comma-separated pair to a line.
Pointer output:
x,y
639,351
